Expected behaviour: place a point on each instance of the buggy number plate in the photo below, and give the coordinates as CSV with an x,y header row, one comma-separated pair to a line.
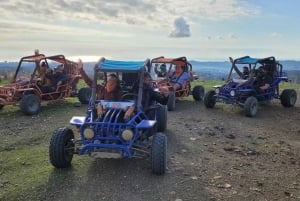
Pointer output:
x,y
116,104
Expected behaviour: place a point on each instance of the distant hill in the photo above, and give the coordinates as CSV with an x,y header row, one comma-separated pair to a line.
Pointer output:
x,y
206,69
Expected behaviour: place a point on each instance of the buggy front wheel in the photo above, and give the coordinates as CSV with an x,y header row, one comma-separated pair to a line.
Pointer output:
x,y
30,104
61,149
162,118
250,106
159,153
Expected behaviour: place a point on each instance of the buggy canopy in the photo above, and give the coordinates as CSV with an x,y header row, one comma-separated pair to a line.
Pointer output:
x,y
123,66
250,60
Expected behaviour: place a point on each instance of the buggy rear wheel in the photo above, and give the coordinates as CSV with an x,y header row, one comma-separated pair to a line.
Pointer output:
x,y
159,153
84,95
250,106
209,99
288,97
198,93
30,104
171,101
61,149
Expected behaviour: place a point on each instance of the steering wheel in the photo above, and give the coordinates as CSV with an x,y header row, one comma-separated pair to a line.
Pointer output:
x,y
129,96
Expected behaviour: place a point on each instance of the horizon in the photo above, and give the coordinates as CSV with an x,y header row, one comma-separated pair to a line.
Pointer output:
x,y
95,59
205,29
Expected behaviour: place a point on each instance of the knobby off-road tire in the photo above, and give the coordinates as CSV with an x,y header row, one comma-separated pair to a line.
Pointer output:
x,y
162,118
159,154
209,99
250,107
198,93
84,95
61,149
288,97
171,101
30,104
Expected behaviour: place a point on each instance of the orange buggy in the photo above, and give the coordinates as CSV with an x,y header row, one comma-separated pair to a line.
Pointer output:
x,y
159,64
25,87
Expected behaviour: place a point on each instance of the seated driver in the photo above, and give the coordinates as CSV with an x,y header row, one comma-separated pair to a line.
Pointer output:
x,y
261,81
178,77
57,78
41,73
111,91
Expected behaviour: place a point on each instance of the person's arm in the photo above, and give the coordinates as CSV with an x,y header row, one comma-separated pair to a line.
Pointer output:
x,y
83,74
160,98
267,84
236,68
169,75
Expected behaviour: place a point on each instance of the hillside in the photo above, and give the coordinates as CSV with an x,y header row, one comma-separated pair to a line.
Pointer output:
x,y
209,70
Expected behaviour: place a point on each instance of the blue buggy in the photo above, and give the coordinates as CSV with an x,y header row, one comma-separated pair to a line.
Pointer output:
x,y
115,136
246,95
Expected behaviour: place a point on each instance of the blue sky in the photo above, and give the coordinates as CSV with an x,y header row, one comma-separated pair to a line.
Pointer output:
x,y
140,29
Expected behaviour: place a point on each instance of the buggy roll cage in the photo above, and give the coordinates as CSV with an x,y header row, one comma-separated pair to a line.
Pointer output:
x,y
106,65
37,58
182,61
269,62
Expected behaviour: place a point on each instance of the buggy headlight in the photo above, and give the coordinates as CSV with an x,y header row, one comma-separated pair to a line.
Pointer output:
x,y
232,93
127,134
217,90
88,133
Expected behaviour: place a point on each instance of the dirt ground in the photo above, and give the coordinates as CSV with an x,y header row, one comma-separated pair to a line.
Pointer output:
x,y
213,154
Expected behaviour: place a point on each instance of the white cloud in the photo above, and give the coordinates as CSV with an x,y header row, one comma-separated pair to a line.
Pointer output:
x,y
138,12
113,27
182,29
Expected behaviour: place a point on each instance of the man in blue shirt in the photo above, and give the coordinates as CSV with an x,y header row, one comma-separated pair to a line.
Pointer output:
x,y
178,77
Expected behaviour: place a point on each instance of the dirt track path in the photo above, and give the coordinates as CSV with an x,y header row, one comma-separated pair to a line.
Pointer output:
x,y
213,154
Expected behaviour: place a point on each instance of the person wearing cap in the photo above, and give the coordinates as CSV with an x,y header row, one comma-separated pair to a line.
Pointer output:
x,y
57,78
162,70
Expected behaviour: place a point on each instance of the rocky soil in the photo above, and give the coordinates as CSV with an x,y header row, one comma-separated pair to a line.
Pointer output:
x,y
213,154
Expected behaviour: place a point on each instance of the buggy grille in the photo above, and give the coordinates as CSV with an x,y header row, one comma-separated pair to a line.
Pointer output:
x,y
109,128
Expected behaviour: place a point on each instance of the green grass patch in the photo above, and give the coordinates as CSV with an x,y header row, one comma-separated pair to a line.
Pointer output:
x,y
25,169
26,174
